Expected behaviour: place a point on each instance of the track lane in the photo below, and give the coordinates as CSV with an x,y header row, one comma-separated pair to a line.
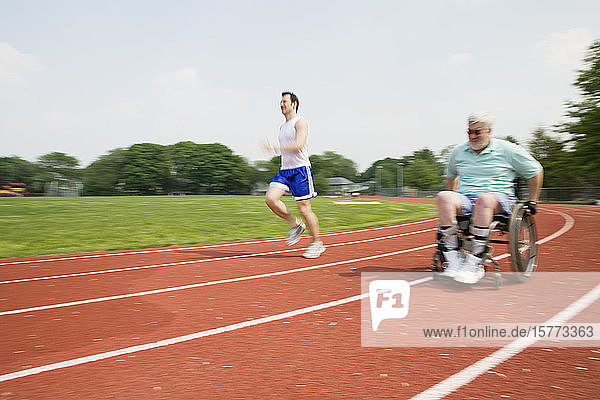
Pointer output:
x,y
186,274
315,383
168,314
216,256
218,268
128,256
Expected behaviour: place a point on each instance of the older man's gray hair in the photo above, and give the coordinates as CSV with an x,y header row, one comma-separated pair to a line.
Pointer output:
x,y
482,116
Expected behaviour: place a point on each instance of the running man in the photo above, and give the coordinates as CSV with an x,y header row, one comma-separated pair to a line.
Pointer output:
x,y
294,176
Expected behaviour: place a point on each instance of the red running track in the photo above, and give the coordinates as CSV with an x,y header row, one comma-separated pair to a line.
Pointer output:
x,y
255,320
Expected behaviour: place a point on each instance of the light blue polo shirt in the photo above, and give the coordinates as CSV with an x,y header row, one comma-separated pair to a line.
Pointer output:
x,y
492,170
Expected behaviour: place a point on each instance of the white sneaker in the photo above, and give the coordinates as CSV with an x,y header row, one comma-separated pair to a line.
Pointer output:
x,y
314,250
453,263
472,271
295,233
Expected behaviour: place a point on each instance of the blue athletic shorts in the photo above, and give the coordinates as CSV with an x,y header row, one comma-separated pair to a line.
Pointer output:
x,y
299,181
506,202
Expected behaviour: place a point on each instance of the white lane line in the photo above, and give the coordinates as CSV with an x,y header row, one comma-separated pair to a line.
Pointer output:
x,y
468,374
567,226
211,283
563,316
356,202
208,246
185,338
569,222
180,263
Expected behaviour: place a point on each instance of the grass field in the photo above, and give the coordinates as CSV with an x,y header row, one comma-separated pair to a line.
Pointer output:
x,y
58,225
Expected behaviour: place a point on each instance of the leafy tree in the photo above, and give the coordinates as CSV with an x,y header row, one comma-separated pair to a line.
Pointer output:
x,y
58,165
425,155
186,159
147,169
209,168
264,171
584,124
422,174
221,171
15,169
511,139
551,153
321,183
387,175
445,155
103,176
331,164
544,147
420,170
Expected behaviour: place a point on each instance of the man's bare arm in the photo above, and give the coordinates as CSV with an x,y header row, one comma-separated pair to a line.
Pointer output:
x,y
535,186
451,184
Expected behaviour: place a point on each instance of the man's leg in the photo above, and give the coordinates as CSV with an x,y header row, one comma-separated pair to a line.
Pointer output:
x,y
273,200
312,222
484,209
316,247
449,205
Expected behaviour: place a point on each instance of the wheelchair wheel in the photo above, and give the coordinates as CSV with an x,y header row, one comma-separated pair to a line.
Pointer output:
x,y
522,243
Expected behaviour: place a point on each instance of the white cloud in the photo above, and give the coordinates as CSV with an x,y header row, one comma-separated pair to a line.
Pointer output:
x,y
56,120
17,67
457,60
184,103
127,108
179,80
564,49
180,92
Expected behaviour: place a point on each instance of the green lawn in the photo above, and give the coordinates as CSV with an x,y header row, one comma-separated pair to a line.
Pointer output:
x,y
58,225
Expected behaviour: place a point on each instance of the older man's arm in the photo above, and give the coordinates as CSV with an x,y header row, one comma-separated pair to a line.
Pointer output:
x,y
535,186
451,184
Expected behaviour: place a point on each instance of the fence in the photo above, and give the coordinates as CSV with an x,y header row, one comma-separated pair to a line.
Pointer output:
x,y
63,188
406,192
584,194
578,194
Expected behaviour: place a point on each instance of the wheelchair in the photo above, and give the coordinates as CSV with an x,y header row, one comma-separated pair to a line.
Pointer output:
x,y
517,230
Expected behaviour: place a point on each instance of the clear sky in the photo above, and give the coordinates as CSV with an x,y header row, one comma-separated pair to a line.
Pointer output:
x,y
375,78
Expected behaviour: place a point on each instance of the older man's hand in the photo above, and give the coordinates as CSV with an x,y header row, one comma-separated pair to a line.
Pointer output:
x,y
531,207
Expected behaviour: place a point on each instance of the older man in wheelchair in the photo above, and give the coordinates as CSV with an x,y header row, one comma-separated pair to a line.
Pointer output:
x,y
479,184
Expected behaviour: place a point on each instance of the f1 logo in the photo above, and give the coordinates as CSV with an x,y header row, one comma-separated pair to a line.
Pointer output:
x,y
389,299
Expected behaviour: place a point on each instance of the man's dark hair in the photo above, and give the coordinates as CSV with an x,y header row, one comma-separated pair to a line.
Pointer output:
x,y
293,98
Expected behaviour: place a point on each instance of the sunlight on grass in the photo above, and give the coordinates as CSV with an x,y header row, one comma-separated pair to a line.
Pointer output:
x,y
54,225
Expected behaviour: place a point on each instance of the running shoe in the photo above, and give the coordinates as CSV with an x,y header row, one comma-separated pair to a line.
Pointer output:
x,y
472,271
295,233
453,264
314,250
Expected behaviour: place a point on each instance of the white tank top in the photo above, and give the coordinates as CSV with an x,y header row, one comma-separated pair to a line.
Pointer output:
x,y
287,136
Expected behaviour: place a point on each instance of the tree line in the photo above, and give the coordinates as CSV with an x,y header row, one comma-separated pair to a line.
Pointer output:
x,y
568,152
192,168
